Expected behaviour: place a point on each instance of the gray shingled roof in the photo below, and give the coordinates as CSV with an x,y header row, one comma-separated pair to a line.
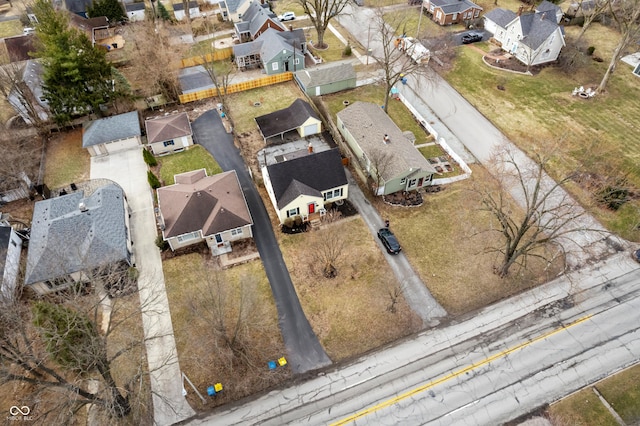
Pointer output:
x,y
536,28
133,7
454,6
232,5
502,17
286,119
308,175
167,127
180,6
65,239
273,43
547,6
368,124
211,204
117,127
325,74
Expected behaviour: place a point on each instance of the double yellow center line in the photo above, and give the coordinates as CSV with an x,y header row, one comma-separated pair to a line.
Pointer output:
x,y
455,374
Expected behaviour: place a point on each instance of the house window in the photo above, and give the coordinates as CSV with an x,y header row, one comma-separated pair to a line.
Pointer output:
x,y
168,143
237,231
438,15
188,237
403,180
293,212
412,183
477,13
274,66
13,243
332,194
297,61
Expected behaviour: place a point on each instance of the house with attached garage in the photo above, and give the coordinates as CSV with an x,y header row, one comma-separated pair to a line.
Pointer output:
x,y
299,117
10,248
78,238
111,134
205,208
303,183
382,150
328,78
532,38
447,12
274,51
169,133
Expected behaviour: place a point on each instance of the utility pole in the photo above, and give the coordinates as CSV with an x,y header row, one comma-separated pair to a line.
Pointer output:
x,y
420,19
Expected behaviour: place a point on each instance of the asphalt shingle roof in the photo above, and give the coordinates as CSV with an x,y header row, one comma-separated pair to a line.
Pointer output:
x,y
286,119
5,238
65,239
455,6
117,127
536,28
308,175
168,127
368,124
502,17
196,202
326,74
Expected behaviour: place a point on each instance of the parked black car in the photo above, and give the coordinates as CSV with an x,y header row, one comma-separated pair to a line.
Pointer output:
x,y
389,241
471,38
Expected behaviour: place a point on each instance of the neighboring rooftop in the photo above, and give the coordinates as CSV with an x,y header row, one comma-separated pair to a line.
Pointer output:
x,y
286,119
117,127
325,74
168,127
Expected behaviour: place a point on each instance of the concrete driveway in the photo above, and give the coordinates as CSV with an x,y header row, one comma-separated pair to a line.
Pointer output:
x,y
304,351
128,169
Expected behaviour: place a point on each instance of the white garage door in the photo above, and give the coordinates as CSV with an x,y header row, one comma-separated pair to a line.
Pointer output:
x,y
311,129
121,145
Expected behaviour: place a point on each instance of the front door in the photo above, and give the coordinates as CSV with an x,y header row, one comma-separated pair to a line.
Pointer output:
x,y
286,65
312,208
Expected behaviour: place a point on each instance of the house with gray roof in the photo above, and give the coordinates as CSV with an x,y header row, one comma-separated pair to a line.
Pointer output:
x,y
29,100
447,12
304,183
205,208
274,51
231,10
382,150
79,237
256,20
135,11
299,117
111,134
10,248
532,38
327,78
169,133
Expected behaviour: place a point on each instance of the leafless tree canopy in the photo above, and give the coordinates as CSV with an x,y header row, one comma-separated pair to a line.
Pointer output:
x,y
320,13
329,244
379,162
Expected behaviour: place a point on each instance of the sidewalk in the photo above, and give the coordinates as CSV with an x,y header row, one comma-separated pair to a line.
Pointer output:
x,y
128,169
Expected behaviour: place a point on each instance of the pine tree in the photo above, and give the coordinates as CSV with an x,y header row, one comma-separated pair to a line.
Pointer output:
x,y
112,9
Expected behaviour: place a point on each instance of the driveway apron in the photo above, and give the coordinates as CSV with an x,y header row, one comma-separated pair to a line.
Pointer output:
x,y
128,170
303,348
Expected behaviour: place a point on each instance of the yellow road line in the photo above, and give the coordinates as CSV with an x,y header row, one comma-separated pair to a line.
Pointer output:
x,y
455,374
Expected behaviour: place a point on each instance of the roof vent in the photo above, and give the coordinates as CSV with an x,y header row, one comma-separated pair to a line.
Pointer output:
x,y
82,206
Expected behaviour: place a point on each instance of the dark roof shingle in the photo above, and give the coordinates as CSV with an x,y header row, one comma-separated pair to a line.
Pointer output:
x,y
286,119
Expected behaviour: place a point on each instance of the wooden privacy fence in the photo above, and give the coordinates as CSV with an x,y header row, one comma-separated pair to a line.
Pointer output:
x,y
218,55
238,87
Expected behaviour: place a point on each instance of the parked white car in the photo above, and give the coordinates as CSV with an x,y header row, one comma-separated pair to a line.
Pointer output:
x,y
287,16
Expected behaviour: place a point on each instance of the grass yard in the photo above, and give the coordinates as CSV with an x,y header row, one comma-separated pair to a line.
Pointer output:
x,y
581,409
622,391
271,98
375,93
193,296
196,157
66,161
448,257
349,312
597,136
334,50
10,28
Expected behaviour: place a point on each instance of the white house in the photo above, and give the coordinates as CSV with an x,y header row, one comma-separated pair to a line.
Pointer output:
x,y
170,133
178,10
533,38
135,11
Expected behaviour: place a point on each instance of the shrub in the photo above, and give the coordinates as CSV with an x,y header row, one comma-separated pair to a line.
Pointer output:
x,y
613,196
149,158
162,244
590,50
347,50
288,222
153,180
298,221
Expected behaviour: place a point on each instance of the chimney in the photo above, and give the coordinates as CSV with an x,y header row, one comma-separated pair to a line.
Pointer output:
x,y
290,27
542,16
386,139
310,148
82,206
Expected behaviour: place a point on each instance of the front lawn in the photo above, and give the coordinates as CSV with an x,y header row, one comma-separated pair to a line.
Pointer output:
x,y
66,161
196,157
622,391
581,409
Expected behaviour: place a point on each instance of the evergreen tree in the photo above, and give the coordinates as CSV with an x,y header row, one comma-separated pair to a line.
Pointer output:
x,y
112,9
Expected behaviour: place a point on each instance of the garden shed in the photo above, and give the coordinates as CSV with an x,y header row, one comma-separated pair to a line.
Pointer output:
x,y
299,116
327,79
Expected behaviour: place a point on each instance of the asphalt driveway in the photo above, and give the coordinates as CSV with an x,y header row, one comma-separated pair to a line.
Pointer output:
x,y
304,350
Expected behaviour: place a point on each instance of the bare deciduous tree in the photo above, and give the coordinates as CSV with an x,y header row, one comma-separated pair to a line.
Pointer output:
x,y
378,165
329,244
17,93
219,71
320,13
590,13
546,219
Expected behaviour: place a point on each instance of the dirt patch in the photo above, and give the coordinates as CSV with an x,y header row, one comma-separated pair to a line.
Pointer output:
x,y
498,59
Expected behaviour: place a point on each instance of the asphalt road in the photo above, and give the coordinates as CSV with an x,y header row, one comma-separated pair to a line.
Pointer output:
x,y
498,364
304,351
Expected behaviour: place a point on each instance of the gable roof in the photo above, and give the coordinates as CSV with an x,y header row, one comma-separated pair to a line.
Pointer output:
x,y
255,17
536,28
88,24
368,124
286,119
133,7
117,127
454,6
270,43
326,74
167,127
547,6
64,239
180,5
232,5
307,175
197,202
502,17
19,47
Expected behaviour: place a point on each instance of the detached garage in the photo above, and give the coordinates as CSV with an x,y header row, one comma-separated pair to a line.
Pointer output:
x,y
111,134
299,116
327,79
